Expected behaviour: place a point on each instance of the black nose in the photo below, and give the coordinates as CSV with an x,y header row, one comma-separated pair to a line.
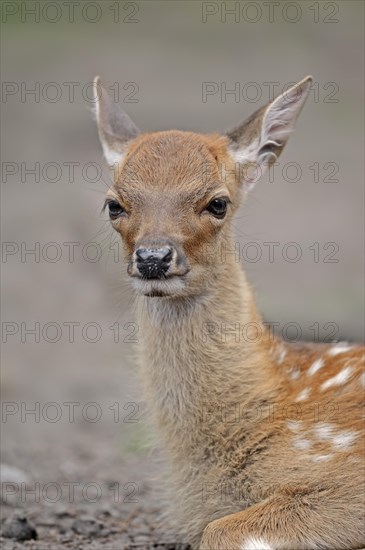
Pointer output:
x,y
153,263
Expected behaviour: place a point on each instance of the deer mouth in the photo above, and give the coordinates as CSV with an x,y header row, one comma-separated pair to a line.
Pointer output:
x,y
156,294
159,288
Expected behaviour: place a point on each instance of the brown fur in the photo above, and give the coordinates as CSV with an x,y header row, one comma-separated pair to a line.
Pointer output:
x,y
251,456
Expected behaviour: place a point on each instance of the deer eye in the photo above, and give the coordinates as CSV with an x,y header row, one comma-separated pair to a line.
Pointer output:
x,y
218,207
115,209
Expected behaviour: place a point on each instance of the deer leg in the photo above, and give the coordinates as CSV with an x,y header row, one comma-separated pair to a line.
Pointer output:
x,y
301,521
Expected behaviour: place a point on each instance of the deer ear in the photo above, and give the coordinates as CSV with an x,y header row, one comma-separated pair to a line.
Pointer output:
x,y
259,140
115,127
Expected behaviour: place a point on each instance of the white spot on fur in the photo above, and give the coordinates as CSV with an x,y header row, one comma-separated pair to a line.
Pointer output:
x,y
315,367
344,440
254,543
341,441
339,379
321,458
341,347
362,379
304,394
282,356
295,373
302,444
294,425
323,430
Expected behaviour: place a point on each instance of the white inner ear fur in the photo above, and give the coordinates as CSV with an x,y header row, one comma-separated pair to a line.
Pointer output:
x,y
249,165
112,157
280,117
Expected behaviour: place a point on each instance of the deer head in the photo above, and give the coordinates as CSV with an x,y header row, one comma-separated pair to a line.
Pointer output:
x,y
174,193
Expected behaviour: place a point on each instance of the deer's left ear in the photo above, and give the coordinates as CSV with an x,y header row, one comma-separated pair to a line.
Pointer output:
x,y
259,140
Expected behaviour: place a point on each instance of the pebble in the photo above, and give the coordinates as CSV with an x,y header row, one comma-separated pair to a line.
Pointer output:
x,y
18,528
87,526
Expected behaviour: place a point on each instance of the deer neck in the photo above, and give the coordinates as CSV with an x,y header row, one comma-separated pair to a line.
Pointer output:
x,y
201,351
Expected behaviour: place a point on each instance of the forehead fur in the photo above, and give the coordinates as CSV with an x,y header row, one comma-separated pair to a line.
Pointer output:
x,y
173,158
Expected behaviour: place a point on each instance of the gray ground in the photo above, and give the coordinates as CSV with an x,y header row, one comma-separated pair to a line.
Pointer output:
x,y
81,485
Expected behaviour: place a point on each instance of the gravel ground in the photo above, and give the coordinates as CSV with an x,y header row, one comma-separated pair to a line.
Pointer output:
x,y
81,485
104,514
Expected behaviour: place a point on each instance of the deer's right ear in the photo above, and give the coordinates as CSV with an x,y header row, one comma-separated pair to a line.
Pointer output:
x,y
115,127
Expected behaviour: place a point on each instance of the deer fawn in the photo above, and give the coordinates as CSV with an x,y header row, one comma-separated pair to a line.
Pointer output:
x,y
264,437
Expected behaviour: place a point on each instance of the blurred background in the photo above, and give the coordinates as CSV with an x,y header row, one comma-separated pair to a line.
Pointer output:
x,y
68,330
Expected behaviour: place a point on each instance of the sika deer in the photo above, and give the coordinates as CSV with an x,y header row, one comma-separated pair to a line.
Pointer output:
x,y
264,438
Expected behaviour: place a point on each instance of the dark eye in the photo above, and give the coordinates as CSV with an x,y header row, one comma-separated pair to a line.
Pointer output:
x,y
218,207
115,210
